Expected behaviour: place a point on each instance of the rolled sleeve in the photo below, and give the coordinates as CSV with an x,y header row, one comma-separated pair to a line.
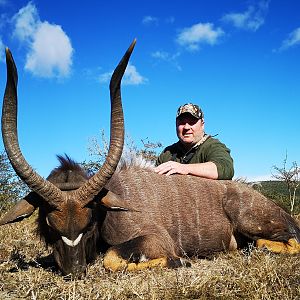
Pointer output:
x,y
220,155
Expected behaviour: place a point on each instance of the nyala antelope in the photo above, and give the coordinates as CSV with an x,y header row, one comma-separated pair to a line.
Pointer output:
x,y
138,218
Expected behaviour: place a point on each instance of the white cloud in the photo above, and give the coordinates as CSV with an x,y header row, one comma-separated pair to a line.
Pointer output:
x,y
292,40
131,76
50,50
165,56
201,33
237,19
26,22
252,19
150,20
161,55
105,77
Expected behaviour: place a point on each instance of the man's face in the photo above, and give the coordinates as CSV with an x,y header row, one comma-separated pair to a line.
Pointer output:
x,y
190,130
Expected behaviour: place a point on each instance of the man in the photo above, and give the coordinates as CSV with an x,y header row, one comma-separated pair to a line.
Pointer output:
x,y
196,153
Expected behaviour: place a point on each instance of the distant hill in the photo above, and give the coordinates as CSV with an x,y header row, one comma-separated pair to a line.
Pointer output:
x,y
278,191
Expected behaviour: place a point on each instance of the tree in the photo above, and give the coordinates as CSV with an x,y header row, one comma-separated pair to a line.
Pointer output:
x,y
98,151
11,187
149,150
291,178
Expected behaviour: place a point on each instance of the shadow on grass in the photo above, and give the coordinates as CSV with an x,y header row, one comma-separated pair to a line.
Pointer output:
x,y
21,264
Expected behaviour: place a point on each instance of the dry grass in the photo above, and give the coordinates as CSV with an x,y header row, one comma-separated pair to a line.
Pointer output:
x,y
254,274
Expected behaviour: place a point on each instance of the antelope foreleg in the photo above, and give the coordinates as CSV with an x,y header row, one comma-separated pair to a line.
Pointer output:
x,y
113,262
141,253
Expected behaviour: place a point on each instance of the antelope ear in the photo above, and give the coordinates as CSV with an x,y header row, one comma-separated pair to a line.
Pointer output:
x,y
113,201
23,209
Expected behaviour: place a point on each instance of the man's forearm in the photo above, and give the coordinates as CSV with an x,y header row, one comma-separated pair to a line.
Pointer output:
x,y
206,170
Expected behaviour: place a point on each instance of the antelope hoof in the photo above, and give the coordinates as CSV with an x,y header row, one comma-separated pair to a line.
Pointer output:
x,y
178,262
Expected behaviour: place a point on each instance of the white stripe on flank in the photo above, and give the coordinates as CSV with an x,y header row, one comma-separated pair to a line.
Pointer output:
x,y
72,243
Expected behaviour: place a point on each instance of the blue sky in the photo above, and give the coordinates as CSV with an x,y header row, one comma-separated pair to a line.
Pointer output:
x,y
239,60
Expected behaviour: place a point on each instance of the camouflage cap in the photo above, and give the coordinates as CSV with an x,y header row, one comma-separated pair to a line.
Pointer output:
x,y
190,108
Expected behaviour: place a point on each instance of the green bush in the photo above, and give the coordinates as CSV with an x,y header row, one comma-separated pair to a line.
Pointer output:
x,y
11,187
278,192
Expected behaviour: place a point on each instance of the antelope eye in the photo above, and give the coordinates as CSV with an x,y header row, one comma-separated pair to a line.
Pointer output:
x,y
48,223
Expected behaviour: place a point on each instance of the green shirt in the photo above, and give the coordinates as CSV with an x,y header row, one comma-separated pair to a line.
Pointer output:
x,y
210,150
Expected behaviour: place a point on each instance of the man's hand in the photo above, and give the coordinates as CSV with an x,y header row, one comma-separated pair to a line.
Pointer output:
x,y
206,170
171,167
